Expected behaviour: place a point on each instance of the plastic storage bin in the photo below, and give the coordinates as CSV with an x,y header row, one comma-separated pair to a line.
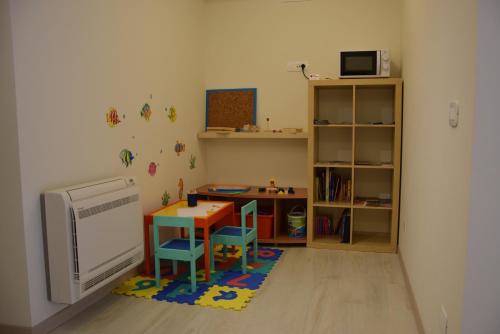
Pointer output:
x,y
265,223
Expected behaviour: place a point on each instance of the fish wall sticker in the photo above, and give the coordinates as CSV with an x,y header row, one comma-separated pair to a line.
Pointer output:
x,y
165,198
180,185
146,111
126,157
179,147
171,113
112,117
192,162
152,168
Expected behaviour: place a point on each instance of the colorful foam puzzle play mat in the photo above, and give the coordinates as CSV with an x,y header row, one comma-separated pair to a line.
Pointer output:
x,y
228,287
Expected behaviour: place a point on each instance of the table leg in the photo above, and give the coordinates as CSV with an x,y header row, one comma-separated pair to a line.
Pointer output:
x,y
147,252
207,253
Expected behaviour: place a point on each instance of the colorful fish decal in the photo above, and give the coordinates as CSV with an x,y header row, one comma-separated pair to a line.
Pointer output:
x,y
146,111
172,114
179,147
126,157
165,198
180,185
112,117
192,162
152,168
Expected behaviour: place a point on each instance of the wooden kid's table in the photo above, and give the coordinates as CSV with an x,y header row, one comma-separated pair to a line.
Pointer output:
x,y
206,214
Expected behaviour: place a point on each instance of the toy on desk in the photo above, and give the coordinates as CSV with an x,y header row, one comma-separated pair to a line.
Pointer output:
x,y
272,187
192,198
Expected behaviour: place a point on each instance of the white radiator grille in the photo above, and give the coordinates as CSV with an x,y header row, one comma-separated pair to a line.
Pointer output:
x,y
76,273
110,272
83,213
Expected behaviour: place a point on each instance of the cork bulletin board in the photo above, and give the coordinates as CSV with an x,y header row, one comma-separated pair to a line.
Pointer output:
x,y
231,108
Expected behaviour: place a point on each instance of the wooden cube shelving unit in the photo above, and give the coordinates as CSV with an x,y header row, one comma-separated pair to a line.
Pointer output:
x,y
359,140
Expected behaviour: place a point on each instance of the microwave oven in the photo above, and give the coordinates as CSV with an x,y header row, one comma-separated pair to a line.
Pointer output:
x,y
365,64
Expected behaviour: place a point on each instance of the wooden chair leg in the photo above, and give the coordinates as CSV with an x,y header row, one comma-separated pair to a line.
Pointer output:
x,y
255,250
174,266
157,271
193,276
224,251
212,255
244,258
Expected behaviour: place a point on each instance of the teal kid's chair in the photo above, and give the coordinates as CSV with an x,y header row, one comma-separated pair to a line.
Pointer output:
x,y
177,249
242,236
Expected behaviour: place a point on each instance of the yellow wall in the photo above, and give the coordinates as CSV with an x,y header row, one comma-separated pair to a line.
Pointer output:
x,y
76,59
248,44
438,66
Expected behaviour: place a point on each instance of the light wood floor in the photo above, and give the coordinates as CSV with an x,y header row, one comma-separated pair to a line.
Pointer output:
x,y
308,291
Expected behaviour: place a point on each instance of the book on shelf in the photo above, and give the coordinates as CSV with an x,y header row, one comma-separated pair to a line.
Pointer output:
x,y
323,225
345,229
332,187
373,201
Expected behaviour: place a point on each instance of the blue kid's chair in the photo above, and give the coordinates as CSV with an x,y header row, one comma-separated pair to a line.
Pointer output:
x,y
177,249
235,235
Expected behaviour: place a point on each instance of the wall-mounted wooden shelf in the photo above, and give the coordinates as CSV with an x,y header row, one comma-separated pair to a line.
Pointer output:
x,y
251,135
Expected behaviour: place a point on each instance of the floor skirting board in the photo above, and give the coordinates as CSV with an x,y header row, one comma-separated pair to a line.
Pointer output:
x,y
411,295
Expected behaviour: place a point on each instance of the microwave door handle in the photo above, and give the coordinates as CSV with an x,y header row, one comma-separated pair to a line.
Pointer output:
x,y
379,61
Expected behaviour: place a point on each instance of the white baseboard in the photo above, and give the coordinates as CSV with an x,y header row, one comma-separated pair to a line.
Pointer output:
x,y
411,295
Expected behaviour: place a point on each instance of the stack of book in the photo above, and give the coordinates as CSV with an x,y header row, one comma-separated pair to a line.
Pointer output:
x,y
323,225
373,201
331,187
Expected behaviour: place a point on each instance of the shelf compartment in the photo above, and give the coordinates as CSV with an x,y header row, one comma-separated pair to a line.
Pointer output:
x,y
371,207
324,164
337,204
373,184
285,239
374,145
334,144
375,239
335,104
382,166
375,104
327,222
371,229
374,125
332,184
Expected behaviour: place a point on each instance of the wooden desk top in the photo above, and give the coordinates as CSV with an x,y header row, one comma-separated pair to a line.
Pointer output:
x,y
204,209
300,193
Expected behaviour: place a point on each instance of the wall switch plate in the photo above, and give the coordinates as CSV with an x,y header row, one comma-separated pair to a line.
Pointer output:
x,y
454,109
294,66
443,324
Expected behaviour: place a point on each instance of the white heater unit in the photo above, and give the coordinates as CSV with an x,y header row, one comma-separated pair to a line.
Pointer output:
x,y
93,234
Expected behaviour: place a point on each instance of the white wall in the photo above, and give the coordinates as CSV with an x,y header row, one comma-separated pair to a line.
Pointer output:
x,y
14,303
482,290
76,59
248,44
439,43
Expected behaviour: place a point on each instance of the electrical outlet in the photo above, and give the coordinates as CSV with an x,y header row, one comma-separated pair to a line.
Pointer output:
x,y
443,324
294,66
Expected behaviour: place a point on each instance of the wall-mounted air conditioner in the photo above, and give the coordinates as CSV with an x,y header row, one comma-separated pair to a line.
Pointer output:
x,y
93,234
